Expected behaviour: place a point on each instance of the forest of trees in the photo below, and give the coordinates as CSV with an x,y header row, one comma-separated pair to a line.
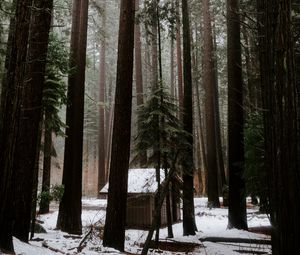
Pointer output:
x,y
208,91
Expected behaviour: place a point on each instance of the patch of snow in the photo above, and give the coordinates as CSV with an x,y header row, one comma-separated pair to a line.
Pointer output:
x,y
140,180
218,249
29,249
94,202
210,222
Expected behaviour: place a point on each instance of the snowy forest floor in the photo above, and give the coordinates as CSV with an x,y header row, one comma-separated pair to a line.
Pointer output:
x,y
210,223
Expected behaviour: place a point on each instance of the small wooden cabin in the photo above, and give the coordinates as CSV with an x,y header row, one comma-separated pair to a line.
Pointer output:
x,y
140,200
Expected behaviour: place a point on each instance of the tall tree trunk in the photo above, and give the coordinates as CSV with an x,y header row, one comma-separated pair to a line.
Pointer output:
x,y
69,216
139,75
237,215
219,147
26,152
10,112
202,142
86,172
179,59
178,94
172,77
108,125
174,190
44,203
109,138
296,30
35,186
8,58
102,148
147,65
157,82
114,229
210,109
249,98
169,210
95,167
154,58
189,224
200,154
279,92
155,86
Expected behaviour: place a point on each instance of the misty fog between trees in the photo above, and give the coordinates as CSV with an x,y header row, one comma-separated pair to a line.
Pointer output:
x,y
149,126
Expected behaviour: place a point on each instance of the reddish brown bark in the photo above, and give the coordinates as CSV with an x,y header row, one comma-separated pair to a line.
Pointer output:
x,y
44,203
279,93
237,215
27,146
189,224
139,75
210,94
10,112
179,59
69,217
102,178
114,230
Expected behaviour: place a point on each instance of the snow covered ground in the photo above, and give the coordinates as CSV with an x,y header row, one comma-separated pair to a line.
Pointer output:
x,y
210,223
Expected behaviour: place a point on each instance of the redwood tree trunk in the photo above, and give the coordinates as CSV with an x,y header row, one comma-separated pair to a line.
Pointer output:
x,y
114,229
102,178
154,58
69,217
8,59
172,77
210,109
10,112
44,203
179,59
139,76
280,101
26,145
219,147
237,215
189,224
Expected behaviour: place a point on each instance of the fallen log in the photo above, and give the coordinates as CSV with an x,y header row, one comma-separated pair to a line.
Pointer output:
x,y
216,239
251,252
266,230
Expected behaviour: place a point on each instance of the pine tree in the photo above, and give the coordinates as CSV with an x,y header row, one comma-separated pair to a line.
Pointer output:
x,y
169,138
160,105
54,97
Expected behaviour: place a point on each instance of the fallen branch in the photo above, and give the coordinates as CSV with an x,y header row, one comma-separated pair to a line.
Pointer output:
x,y
45,245
81,244
72,237
235,240
157,210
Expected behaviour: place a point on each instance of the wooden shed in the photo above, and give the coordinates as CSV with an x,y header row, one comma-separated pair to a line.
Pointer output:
x,y
140,200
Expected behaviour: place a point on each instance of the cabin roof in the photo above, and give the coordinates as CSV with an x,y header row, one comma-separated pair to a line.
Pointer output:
x,y
141,180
